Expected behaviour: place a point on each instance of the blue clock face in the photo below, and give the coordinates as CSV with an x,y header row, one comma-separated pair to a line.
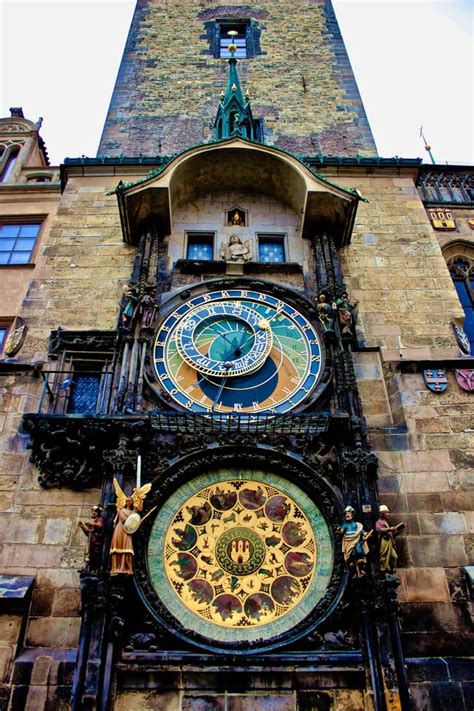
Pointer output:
x,y
237,351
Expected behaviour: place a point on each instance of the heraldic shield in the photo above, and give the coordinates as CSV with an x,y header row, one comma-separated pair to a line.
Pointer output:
x,y
465,379
436,380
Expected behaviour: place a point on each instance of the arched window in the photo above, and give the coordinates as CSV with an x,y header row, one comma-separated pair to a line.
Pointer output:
x,y
461,268
9,165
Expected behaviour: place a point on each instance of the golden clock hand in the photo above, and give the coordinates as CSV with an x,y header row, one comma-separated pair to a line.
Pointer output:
x,y
227,365
264,324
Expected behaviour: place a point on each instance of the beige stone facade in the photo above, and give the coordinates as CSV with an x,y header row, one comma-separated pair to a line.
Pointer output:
x,y
394,264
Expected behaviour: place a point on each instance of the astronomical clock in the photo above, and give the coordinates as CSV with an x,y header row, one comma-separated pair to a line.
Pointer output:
x,y
241,551
237,351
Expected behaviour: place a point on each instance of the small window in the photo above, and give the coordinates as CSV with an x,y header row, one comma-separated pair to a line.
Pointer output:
x,y
239,39
271,248
4,329
9,165
84,393
200,246
17,242
462,273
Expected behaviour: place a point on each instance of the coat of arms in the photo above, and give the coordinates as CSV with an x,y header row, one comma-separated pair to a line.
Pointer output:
x,y
465,379
462,339
436,380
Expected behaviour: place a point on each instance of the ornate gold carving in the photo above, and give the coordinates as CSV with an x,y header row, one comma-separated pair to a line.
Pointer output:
x,y
240,553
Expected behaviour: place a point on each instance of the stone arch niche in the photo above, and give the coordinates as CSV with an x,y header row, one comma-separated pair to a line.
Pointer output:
x,y
243,166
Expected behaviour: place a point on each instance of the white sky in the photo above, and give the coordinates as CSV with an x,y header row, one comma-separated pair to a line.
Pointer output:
x,y
413,61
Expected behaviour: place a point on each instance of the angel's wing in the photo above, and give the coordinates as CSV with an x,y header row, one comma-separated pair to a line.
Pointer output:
x,y
139,495
121,498
248,244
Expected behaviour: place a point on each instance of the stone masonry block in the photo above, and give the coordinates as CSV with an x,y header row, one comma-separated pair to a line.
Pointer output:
x,y
424,584
53,632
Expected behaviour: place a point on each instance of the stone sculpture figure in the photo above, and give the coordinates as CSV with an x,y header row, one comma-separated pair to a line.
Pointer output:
x,y
354,543
94,530
386,539
325,314
126,520
346,310
236,250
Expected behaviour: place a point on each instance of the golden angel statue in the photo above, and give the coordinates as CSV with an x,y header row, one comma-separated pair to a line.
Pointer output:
x,y
126,522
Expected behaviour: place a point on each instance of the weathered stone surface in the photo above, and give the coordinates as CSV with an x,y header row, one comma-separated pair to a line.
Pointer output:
x,y
424,584
53,632
433,551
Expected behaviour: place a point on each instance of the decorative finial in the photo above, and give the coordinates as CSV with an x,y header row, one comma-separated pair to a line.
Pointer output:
x,y
232,46
427,146
234,87
247,94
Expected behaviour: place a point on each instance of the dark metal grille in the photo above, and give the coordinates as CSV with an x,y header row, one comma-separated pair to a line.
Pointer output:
x,y
84,394
270,424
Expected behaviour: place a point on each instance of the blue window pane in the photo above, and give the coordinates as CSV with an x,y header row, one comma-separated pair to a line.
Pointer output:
x,y
84,394
29,230
24,244
463,293
468,306
20,257
3,336
198,250
9,230
17,242
271,251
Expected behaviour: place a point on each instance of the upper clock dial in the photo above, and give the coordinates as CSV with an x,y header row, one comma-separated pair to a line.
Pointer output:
x,y
237,351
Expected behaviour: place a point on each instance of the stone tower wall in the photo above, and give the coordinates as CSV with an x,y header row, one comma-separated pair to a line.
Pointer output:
x,y
301,84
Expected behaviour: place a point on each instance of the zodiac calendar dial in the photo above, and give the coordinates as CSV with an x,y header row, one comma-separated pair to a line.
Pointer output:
x,y
237,351
243,558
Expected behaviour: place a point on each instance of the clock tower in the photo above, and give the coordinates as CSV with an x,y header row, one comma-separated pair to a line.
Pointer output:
x,y
227,338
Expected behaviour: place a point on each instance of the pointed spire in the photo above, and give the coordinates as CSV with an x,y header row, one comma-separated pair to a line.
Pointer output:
x,y
234,115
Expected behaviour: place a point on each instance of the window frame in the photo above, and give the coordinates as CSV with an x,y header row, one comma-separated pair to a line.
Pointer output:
x,y
232,24
21,221
464,276
7,325
211,235
8,162
280,237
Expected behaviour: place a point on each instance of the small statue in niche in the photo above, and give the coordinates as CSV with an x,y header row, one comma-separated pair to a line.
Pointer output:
x,y
236,250
126,522
237,129
94,530
326,314
146,309
354,543
346,311
236,219
386,538
131,295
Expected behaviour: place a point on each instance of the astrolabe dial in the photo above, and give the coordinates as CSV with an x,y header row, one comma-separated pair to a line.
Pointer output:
x,y
239,351
224,339
244,557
